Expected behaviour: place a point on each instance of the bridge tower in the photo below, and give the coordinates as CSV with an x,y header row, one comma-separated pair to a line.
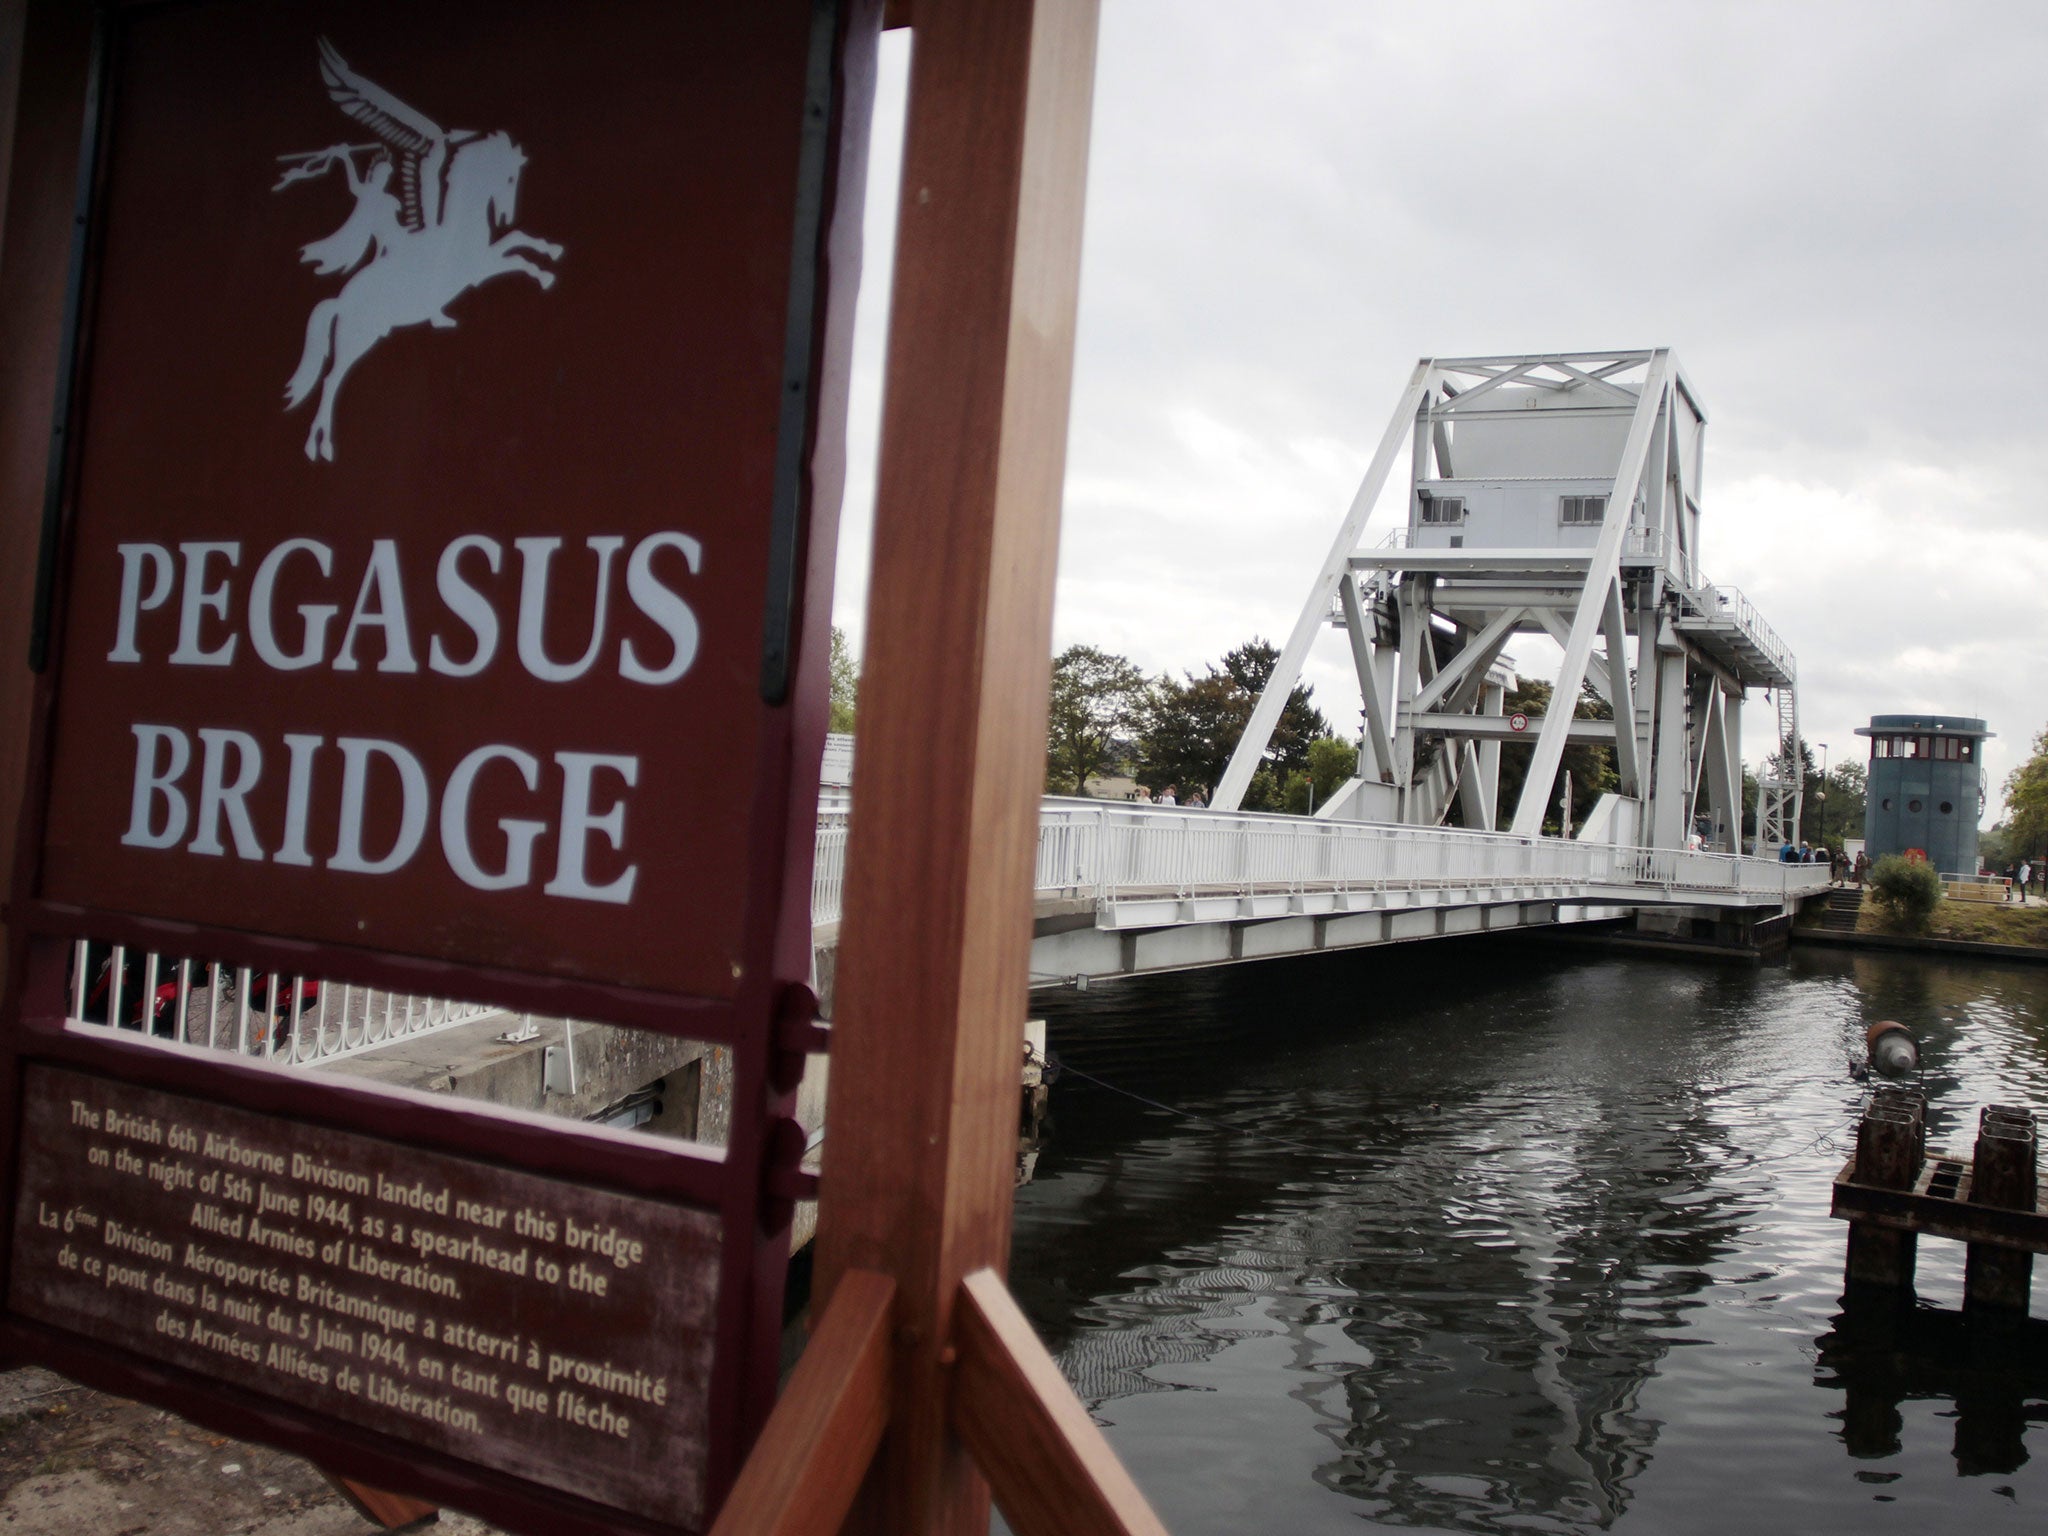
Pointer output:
x,y
1557,495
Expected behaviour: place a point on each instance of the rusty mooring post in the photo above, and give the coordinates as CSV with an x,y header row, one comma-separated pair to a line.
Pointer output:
x,y
1998,1279
1890,1144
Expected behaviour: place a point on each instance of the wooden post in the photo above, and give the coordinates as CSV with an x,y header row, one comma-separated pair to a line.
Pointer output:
x,y
45,52
1890,1144
1999,1279
934,948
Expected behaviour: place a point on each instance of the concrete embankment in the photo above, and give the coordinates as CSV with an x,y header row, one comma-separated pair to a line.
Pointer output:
x,y
2023,954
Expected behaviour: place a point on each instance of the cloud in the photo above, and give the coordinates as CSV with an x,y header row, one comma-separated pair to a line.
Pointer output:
x,y
1829,210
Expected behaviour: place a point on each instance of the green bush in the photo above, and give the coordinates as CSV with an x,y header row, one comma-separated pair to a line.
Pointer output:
x,y
1907,890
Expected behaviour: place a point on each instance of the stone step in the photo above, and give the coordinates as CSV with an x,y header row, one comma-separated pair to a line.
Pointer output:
x,y
1842,909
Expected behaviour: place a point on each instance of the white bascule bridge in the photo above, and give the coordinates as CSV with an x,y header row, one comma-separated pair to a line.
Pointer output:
x,y
1555,495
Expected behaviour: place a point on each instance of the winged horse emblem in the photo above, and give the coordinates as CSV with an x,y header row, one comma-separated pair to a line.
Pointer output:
x,y
412,249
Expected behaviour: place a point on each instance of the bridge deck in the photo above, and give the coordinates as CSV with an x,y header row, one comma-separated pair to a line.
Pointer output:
x,y
1135,863
1126,888
1121,888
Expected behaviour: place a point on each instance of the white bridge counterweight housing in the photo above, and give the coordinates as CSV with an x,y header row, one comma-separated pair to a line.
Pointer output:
x,y
1553,494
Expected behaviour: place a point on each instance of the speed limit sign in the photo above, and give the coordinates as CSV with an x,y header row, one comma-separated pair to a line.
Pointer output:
x,y
1518,721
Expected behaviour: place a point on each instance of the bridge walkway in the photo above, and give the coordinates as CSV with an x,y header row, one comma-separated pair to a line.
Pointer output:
x,y
1126,888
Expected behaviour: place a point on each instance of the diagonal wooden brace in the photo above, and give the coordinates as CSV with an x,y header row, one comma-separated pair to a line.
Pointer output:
x,y
1052,1472
811,1457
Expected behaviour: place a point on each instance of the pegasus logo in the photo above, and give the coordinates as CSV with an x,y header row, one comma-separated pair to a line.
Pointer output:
x,y
412,251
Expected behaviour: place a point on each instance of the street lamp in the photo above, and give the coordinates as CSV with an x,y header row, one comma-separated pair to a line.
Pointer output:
x,y
1823,792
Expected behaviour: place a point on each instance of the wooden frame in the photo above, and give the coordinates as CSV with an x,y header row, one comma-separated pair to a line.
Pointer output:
x,y
924,1383
933,960
47,56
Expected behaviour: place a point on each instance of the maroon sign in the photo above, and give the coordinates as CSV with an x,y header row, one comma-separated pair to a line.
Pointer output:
x,y
423,519
544,1328
445,486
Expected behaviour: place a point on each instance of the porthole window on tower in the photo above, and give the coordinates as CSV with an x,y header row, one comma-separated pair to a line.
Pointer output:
x,y
1885,804
1948,808
1913,806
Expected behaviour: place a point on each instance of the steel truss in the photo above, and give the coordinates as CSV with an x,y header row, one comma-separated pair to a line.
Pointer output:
x,y
1599,456
1782,787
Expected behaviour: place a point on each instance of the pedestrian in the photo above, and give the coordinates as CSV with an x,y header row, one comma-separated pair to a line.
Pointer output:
x,y
1862,866
1143,796
1167,797
1198,801
2026,874
2011,871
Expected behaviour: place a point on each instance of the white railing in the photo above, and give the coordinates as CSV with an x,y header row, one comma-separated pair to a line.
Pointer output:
x,y
828,868
268,1014
1087,849
1108,852
1729,603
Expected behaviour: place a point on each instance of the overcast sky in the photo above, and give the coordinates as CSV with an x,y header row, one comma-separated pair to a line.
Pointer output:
x,y
1832,213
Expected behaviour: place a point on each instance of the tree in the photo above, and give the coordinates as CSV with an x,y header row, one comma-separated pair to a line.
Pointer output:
x,y
1191,727
845,674
1251,666
1332,763
1590,763
2026,804
1906,890
1840,814
1097,702
1996,849
1189,730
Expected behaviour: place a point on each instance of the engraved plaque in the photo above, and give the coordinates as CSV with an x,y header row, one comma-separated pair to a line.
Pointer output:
x,y
541,1327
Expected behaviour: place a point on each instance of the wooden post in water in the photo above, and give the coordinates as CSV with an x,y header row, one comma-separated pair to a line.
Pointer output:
x,y
1890,1144
1997,1279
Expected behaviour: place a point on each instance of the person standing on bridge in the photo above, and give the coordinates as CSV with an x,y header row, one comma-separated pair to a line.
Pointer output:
x,y
1143,796
1167,796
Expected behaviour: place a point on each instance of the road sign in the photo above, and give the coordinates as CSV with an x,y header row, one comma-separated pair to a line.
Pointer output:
x,y
1518,721
439,600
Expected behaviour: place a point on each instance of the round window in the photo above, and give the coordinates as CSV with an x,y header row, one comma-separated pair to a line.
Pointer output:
x,y
1948,808
1913,806
1885,804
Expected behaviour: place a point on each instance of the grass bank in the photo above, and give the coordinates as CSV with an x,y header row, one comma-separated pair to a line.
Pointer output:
x,y
1977,922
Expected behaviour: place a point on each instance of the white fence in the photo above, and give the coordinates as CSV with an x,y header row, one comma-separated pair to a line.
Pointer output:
x,y
266,1014
1104,851
1087,849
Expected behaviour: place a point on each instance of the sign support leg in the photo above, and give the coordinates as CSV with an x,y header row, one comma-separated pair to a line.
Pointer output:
x,y
386,1511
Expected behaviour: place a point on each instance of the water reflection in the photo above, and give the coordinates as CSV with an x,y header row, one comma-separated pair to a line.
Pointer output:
x,y
1991,1377
1481,1239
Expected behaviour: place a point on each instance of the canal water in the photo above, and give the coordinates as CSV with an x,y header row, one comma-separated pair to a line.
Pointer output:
x,y
1463,1237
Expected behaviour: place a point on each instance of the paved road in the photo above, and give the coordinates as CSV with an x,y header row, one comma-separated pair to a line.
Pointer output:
x,y
73,1460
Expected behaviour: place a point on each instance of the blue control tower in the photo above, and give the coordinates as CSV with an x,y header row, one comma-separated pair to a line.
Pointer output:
x,y
1926,788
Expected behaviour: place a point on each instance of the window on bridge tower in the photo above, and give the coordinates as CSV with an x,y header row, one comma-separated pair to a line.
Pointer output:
x,y
1580,511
